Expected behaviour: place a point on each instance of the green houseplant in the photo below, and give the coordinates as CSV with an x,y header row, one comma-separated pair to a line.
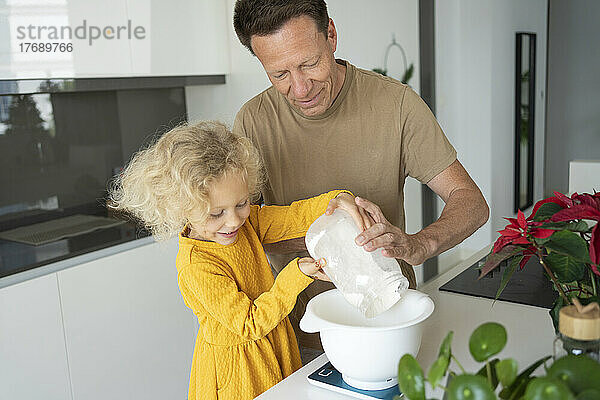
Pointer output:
x,y
564,234
568,378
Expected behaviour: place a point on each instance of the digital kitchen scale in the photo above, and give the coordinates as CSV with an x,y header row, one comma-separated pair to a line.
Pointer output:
x,y
330,378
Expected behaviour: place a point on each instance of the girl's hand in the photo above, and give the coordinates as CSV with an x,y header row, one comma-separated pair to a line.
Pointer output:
x,y
312,268
346,202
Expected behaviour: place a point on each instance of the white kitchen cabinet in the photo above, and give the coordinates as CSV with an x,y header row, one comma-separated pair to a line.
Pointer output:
x,y
33,361
128,332
113,38
100,57
186,37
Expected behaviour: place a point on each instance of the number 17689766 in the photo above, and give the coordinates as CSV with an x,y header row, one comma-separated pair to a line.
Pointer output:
x,y
48,47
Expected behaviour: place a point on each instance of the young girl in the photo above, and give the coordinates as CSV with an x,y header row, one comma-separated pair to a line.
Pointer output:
x,y
199,180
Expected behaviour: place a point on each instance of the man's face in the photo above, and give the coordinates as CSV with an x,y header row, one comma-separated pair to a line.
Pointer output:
x,y
300,64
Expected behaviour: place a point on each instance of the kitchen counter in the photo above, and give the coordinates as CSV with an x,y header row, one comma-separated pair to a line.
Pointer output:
x,y
21,262
530,336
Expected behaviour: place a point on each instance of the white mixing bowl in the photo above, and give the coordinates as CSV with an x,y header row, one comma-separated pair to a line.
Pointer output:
x,y
367,351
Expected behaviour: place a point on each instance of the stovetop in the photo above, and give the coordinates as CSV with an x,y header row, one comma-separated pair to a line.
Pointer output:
x,y
529,286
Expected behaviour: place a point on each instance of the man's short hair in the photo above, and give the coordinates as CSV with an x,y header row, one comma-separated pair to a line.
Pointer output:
x,y
264,17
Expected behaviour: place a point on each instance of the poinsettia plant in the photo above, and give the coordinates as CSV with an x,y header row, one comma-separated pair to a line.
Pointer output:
x,y
564,234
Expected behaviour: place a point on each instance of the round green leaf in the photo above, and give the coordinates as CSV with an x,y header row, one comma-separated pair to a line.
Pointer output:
x,y
578,372
437,370
470,387
487,340
506,370
547,389
410,378
590,394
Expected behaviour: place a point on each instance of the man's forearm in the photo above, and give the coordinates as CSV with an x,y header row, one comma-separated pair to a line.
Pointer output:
x,y
465,211
286,246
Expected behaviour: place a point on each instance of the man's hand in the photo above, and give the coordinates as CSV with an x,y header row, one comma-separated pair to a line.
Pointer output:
x,y
465,211
382,234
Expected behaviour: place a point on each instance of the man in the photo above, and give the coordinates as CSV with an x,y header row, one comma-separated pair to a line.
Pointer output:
x,y
326,124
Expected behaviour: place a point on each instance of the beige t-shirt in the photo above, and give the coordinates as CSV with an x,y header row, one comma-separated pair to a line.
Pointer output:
x,y
377,132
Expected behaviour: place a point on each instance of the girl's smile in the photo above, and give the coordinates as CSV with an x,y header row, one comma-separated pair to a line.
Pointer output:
x,y
228,235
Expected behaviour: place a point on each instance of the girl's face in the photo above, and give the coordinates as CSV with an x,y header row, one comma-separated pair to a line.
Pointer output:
x,y
229,207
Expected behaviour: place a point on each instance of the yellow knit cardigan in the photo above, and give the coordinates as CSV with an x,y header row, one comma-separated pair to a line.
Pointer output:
x,y
245,343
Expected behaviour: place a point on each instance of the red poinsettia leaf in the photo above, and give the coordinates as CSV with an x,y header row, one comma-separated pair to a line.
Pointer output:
x,y
509,232
542,202
500,243
530,250
590,200
595,247
521,240
585,198
533,224
524,261
522,220
513,223
566,200
542,233
580,211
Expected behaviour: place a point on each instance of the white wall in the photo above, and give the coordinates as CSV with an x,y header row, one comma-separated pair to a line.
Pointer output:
x,y
245,80
365,32
475,61
573,89
510,17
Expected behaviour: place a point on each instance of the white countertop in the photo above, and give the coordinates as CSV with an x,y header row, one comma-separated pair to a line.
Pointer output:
x,y
530,336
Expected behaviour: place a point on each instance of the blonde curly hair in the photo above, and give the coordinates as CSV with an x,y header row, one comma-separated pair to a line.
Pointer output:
x,y
163,184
